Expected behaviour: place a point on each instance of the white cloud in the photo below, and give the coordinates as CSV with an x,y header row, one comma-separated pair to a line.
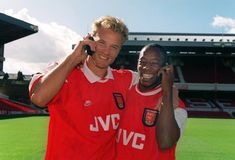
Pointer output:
x,y
31,54
223,22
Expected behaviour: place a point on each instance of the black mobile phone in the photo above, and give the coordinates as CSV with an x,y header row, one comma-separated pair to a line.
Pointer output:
x,y
159,79
87,48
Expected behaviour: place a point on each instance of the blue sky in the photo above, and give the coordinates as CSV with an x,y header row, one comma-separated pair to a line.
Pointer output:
x,y
76,16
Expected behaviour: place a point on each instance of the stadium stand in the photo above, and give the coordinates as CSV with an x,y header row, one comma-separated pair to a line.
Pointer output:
x,y
204,68
225,73
8,107
208,114
227,105
14,86
200,104
201,67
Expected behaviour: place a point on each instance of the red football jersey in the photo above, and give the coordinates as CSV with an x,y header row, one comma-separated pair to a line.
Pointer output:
x,y
84,117
136,136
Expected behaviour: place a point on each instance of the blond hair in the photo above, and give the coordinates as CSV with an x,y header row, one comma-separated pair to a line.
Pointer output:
x,y
113,23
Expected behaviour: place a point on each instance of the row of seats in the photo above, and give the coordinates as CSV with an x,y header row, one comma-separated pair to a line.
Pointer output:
x,y
206,70
8,107
210,103
214,108
208,114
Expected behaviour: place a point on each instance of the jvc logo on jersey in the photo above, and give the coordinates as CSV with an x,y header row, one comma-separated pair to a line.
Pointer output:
x,y
104,124
135,139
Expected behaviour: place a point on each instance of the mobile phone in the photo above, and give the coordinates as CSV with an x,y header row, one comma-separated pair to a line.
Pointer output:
x,y
87,48
159,79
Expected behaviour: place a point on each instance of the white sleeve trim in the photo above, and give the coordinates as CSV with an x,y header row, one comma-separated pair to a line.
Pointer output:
x,y
135,79
33,79
39,74
181,116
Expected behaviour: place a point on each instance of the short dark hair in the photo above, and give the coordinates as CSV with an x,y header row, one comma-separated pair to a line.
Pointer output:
x,y
159,49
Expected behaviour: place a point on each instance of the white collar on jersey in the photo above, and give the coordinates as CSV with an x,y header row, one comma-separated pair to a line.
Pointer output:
x,y
148,93
92,78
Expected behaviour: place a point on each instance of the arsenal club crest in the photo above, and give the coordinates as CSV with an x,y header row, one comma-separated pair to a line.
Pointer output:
x,y
119,100
149,118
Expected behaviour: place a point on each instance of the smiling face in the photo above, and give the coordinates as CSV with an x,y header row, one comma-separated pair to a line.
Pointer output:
x,y
149,64
108,46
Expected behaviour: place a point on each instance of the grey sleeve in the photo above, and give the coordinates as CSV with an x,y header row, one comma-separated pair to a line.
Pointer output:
x,y
181,118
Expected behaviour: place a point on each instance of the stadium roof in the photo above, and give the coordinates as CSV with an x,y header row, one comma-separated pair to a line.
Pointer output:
x,y
183,43
12,29
182,37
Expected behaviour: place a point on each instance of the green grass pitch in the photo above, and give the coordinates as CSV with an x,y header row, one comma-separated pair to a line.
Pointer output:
x,y
207,139
23,138
203,139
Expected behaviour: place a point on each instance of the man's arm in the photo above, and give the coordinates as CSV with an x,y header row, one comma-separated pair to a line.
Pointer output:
x,y
167,128
49,85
